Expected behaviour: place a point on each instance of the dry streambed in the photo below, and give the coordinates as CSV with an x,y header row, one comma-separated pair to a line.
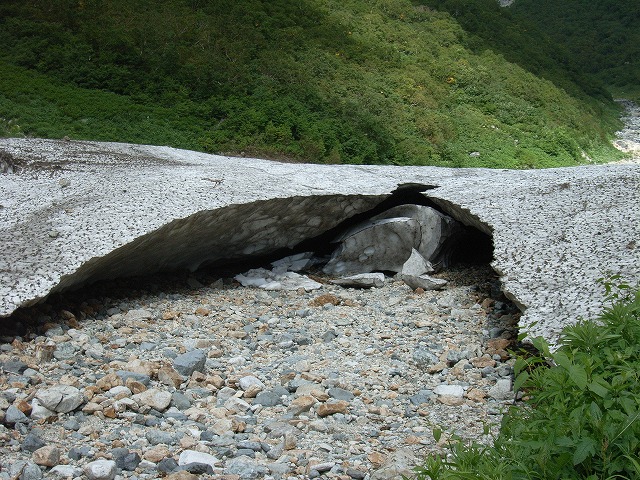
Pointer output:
x,y
222,380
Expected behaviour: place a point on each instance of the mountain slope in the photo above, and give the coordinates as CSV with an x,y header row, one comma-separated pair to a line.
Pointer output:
x,y
314,80
602,36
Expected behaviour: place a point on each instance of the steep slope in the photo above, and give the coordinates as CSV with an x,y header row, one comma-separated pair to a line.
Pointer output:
x,y
319,80
602,36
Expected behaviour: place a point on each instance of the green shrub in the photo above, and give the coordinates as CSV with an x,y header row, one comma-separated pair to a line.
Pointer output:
x,y
581,414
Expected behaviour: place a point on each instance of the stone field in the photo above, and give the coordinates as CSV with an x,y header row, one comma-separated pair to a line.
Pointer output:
x,y
199,377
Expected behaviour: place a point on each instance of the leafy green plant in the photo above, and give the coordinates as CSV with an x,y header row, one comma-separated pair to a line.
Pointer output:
x,y
580,418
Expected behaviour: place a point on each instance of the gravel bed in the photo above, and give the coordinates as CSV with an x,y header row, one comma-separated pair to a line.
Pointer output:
x,y
198,377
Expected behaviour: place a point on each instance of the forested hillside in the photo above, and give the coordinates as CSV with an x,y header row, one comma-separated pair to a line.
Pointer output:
x,y
349,81
603,36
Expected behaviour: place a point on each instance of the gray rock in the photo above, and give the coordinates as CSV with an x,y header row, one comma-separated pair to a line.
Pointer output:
x,y
399,463
449,390
157,399
383,245
14,415
362,280
167,465
60,398
129,461
64,471
40,412
424,357
250,381
245,467
31,471
180,401
271,398
416,265
156,437
84,451
100,470
138,377
423,281
32,442
341,394
65,351
192,361
14,365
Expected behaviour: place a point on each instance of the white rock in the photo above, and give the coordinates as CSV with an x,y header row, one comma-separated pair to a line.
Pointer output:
x,y
60,398
423,281
39,412
65,471
416,265
101,470
192,456
502,390
154,398
362,280
250,381
449,390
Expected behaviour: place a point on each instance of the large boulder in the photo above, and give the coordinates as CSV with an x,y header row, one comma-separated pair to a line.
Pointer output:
x,y
76,212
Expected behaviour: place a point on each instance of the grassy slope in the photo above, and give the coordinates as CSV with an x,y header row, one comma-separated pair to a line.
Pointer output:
x,y
319,80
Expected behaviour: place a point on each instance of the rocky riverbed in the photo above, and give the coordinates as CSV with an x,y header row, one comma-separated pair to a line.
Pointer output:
x,y
628,139
199,377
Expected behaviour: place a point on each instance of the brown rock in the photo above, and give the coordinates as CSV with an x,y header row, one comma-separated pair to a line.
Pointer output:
x,y
92,407
202,311
170,315
110,412
476,395
498,346
324,300
23,406
377,459
301,404
450,400
252,391
169,376
181,476
331,408
48,456
44,352
109,381
157,453
483,361
135,386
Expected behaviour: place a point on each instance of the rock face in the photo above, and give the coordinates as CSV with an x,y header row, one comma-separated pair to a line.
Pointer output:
x,y
126,209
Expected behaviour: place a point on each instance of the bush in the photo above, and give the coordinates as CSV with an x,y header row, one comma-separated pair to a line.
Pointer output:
x,y
581,415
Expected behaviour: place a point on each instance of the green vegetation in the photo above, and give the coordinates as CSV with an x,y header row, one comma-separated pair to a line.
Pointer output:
x,y
391,81
602,36
581,414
